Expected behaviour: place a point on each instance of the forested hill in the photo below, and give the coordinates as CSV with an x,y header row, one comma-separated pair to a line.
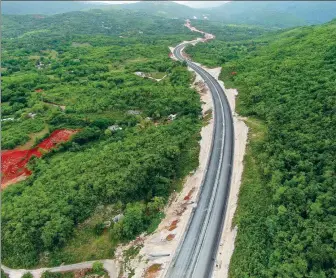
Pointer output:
x,y
79,72
281,14
108,22
44,7
287,89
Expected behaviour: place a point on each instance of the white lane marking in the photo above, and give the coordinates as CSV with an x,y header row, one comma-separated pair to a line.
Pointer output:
x,y
213,195
214,191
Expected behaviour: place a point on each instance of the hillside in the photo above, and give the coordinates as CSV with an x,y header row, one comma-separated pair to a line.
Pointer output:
x,y
92,22
44,7
286,213
281,14
85,138
162,8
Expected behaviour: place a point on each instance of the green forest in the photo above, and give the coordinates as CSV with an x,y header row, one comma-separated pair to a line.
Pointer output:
x,y
70,76
287,88
78,70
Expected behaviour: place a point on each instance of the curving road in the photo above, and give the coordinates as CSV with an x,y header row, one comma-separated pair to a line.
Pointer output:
x,y
196,254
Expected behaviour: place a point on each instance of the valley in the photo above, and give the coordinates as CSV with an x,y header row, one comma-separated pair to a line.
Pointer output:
x,y
116,130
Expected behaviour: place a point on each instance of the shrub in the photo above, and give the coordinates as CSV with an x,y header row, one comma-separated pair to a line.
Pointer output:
x,y
98,268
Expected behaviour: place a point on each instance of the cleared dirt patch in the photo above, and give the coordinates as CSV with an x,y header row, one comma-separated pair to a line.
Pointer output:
x,y
13,162
170,237
188,196
173,225
152,271
81,273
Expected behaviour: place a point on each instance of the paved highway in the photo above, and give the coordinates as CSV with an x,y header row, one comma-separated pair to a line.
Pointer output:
x,y
195,257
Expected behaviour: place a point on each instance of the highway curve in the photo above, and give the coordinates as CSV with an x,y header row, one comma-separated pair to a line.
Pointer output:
x,y
195,256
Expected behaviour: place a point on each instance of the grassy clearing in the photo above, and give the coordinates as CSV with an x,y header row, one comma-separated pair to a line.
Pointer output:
x,y
90,241
34,137
97,270
52,53
157,75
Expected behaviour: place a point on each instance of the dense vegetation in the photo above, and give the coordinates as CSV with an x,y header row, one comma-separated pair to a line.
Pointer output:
x,y
86,81
286,216
232,42
281,14
115,22
52,7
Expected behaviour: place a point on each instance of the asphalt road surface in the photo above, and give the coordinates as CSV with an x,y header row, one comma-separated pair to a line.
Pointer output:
x,y
196,255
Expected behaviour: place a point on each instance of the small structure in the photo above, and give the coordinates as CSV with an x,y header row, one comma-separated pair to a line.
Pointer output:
x,y
32,115
139,73
117,218
7,119
133,112
114,127
107,224
172,117
39,65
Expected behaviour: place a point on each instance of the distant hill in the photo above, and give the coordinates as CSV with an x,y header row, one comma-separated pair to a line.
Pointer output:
x,y
281,14
276,14
164,8
92,22
44,7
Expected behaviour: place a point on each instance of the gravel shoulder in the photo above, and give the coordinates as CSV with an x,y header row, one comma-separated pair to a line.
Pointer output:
x,y
166,238
229,233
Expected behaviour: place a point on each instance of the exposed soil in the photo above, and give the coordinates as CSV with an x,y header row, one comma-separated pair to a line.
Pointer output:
x,y
13,162
188,196
81,272
170,237
173,225
55,104
226,247
152,271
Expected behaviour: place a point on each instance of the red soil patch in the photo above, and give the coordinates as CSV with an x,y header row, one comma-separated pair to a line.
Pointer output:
x,y
58,136
173,225
13,162
152,271
188,197
170,237
39,90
